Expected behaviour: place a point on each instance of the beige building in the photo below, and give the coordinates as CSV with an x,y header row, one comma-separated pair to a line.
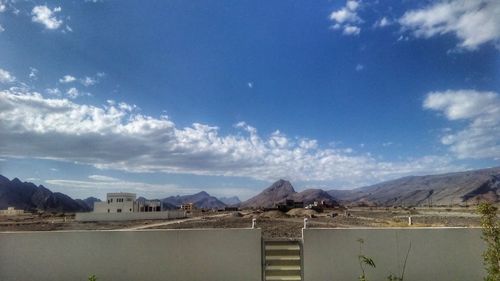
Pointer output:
x,y
11,211
188,207
120,202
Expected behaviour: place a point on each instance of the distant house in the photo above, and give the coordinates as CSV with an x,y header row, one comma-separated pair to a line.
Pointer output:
x,y
289,204
122,202
11,211
188,207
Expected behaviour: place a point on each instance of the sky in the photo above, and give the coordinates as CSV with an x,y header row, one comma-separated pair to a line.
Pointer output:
x,y
173,97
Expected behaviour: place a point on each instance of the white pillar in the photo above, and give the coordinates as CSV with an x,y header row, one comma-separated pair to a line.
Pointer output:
x,y
305,223
253,223
409,221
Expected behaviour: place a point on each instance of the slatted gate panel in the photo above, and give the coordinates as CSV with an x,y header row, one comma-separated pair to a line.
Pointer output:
x,y
282,260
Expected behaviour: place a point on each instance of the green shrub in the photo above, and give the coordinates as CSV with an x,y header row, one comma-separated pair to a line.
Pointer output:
x,y
491,235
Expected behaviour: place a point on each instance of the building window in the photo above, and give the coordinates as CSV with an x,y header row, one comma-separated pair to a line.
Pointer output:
x,y
118,210
108,210
129,199
130,210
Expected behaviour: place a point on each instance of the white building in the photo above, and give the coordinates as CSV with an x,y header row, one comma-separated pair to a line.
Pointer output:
x,y
122,206
120,202
11,211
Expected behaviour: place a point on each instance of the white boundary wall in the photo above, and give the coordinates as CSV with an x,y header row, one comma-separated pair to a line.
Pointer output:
x,y
93,216
190,255
436,253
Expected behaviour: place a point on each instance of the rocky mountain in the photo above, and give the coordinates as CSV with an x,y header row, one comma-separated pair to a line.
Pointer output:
x,y
308,196
89,202
282,190
29,197
446,189
201,200
230,201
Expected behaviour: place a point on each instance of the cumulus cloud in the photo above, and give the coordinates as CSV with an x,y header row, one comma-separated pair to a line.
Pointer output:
x,y
85,81
346,18
480,138
383,22
47,17
67,79
351,30
73,93
2,29
88,81
33,73
6,77
473,22
359,67
115,136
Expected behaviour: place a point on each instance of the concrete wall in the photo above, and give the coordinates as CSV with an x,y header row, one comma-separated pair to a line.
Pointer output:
x,y
93,216
436,253
215,254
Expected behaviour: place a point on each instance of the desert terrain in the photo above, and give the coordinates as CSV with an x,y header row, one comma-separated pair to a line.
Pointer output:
x,y
273,223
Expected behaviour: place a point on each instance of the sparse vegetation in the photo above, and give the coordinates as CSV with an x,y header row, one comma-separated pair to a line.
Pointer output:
x,y
92,278
491,235
364,261
393,277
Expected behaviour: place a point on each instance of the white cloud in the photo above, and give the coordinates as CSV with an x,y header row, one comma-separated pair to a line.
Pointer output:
x,y
383,22
359,67
347,18
88,81
351,30
33,73
480,137
6,77
3,7
473,22
53,91
74,93
2,29
85,81
99,186
67,79
102,178
116,137
250,85
46,16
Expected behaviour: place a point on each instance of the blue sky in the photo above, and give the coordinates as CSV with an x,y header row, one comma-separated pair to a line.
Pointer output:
x,y
174,97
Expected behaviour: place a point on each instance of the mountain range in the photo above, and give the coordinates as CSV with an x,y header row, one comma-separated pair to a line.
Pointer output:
x,y
200,200
29,197
230,201
282,190
442,190
459,188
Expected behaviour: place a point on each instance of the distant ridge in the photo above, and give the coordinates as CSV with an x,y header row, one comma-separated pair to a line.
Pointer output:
x,y
29,197
282,190
230,201
459,188
200,200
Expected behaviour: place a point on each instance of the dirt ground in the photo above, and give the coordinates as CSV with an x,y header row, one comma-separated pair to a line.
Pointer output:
x,y
273,223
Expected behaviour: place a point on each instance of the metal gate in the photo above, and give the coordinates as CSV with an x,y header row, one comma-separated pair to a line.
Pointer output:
x,y
282,260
